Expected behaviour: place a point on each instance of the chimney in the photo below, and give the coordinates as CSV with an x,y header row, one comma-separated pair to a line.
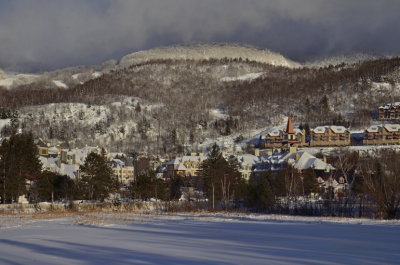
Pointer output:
x,y
257,152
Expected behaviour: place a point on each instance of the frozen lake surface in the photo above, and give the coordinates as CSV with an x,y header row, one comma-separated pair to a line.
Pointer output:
x,y
197,239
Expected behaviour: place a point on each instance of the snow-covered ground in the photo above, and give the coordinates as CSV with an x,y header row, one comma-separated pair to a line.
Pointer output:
x,y
197,239
60,83
246,77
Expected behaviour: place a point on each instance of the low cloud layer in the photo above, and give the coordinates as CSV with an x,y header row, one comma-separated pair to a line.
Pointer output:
x,y
48,34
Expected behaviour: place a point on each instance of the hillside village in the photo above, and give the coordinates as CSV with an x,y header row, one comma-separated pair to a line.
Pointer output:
x,y
277,148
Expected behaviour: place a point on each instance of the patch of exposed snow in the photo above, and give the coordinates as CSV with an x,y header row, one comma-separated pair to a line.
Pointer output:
x,y
60,83
4,123
10,80
7,82
246,77
345,58
96,74
218,114
76,76
381,86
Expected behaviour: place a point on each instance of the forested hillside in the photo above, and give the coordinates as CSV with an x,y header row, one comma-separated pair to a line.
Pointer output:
x,y
167,105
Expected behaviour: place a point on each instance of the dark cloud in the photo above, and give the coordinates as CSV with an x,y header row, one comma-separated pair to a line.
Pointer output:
x,y
47,34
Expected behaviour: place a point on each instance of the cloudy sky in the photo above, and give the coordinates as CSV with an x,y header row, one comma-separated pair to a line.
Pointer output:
x,y
48,34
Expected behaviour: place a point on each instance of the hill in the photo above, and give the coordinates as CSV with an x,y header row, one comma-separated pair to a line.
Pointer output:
x,y
174,105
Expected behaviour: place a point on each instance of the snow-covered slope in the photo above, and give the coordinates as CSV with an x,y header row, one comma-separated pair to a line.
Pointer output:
x,y
10,80
208,51
246,77
348,59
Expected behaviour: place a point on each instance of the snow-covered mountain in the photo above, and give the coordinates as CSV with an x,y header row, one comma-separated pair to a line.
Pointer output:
x,y
180,98
206,52
9,80
72,76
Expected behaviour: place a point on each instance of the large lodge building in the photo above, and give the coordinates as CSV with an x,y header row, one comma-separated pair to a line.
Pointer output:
x,y
319,136
390,111
325,136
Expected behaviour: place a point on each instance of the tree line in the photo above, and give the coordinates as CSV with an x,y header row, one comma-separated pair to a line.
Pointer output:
x,y
371,179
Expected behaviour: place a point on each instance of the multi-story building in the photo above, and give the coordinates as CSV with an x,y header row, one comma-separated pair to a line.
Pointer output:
x,y
330,136
184,166
277,137
123,172
299,160
390,111
190,166
382,134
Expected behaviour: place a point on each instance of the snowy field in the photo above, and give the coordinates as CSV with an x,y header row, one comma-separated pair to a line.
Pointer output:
x,y
196,239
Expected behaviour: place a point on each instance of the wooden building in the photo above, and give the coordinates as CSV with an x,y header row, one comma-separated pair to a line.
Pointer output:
x,y
390,111
278,137
330,136
382,134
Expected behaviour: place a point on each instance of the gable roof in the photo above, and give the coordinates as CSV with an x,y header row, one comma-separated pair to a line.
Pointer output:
x,y
334,128
373,129
392,127
390,105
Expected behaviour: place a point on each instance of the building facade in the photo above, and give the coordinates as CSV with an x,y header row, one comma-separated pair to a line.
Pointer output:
x,y
330,136
390,111
382,134
277,137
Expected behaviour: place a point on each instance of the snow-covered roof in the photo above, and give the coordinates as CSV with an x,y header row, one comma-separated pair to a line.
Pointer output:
x,y
392,127
277,131
335,129
247,159
298,131
117,163
48,162
388,127
53,150
391,105
338,129
307,161
69,170
193,158
320,129
274,133
181,167
374,128
183,161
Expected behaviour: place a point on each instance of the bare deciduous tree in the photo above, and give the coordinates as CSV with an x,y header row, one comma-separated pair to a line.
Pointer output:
x,y
381,181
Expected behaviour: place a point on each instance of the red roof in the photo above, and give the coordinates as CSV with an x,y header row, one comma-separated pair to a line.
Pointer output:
x,y
289,128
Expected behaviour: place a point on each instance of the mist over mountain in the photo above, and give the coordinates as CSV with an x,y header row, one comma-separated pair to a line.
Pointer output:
x,y
45,35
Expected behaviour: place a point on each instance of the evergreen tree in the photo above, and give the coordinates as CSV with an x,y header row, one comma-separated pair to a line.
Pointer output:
x,y
310,184
19,166
175,187
221,177
307,109
50,186
212,169
97,181
260,195
147,186
324,106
